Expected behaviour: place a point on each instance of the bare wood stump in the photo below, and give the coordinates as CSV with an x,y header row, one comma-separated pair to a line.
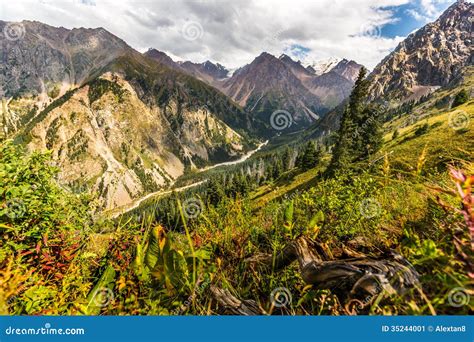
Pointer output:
x,y
359,279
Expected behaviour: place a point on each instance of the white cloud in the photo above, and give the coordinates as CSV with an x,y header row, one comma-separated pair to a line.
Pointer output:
x,y
415,14
233,32
431,8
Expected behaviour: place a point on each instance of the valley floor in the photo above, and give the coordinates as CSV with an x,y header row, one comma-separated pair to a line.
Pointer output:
x,y
116,212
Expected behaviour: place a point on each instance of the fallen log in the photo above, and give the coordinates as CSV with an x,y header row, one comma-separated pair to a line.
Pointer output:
x,y
231,305
360,279
355,281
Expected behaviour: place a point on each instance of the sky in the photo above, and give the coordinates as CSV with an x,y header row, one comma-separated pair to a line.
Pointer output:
x,y
233,33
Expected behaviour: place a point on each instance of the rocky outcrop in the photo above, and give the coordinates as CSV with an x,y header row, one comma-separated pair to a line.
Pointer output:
x,y
49,60
429,58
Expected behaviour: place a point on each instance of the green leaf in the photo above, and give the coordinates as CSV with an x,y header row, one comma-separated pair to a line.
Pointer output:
x,y
289,213
102,294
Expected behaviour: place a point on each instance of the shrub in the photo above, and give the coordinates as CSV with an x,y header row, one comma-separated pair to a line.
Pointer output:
x,y
460,98
422,129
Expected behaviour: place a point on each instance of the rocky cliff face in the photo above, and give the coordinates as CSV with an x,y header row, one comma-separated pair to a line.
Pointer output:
x,y
40,63
429,58
296,67
106,139
331,88
268,84
347,69
48,60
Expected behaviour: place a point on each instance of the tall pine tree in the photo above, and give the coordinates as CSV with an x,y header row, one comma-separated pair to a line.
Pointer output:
x,y
359,134
309,157
370,133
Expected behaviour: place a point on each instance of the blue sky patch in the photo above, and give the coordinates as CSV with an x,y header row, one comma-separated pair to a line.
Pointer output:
x,y
297,51
410,17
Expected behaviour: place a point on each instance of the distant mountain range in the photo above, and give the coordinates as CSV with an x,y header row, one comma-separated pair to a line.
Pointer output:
x,y
48,61
269,84
208,72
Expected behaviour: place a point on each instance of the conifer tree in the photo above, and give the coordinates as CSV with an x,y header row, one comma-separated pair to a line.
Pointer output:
x,y
359,131
286,159
215,191
310,157
370,137
277,168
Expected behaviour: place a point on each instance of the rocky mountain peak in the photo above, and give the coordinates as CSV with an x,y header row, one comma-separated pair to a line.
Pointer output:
x,y
429,58
455,11
295,66
50,60
324,65
348,69
161,57
285,58
264,57
217,70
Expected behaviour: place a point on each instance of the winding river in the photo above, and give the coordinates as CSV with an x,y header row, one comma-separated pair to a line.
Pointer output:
x,y
114,213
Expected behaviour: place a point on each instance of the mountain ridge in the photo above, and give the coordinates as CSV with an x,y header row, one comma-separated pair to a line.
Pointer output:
x,y
265,88
427,59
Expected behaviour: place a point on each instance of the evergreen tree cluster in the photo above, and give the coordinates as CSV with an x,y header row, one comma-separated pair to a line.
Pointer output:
x,y
360,134
235,182
309,157
404,108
